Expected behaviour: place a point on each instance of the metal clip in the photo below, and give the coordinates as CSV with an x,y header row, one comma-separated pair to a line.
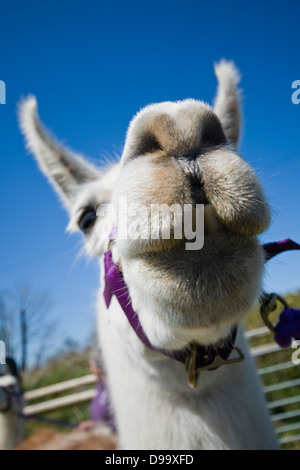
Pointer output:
x,y
218,361
268,305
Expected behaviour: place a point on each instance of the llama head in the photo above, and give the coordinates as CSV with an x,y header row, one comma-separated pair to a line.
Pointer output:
x,y
176,154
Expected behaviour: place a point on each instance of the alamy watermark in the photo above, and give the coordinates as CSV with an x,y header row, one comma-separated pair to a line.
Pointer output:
x,y
154,222
2,92
296,354
2,353
296,94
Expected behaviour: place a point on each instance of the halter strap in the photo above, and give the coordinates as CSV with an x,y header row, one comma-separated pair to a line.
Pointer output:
x,y
275,248
196,357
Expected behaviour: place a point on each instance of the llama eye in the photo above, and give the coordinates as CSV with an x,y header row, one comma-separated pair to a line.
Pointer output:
x,y
87,219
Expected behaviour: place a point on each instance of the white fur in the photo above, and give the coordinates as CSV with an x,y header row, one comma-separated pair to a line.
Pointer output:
x,y
226,105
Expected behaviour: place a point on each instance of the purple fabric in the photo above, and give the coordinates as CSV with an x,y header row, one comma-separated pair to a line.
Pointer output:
x,y
100,409
288,327
115,285
274,248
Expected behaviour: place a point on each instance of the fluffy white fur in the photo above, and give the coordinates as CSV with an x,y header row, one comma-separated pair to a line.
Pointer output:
x,y
179,296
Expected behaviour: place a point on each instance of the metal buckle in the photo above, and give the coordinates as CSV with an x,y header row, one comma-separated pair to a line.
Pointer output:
x,y
218,361
268,305
190,365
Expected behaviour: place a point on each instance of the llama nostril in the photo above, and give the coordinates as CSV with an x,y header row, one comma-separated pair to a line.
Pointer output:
x,y
190,157
191,168
198,193
212,133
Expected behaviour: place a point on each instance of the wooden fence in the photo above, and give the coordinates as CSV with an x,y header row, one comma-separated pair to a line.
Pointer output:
x,y
280,378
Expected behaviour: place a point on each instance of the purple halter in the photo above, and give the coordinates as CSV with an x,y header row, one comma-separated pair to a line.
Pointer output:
x,y
275,248
204,357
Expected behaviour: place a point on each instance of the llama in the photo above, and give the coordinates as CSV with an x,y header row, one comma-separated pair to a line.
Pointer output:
x,y
11,405
184,304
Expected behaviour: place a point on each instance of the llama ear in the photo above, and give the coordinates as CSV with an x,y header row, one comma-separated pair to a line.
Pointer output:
x,y
65,170
227,101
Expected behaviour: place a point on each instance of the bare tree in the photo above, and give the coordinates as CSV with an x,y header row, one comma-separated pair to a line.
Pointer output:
x,y
25,325
8,332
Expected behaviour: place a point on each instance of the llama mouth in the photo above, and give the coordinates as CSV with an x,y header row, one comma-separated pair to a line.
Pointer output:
x,y
207,226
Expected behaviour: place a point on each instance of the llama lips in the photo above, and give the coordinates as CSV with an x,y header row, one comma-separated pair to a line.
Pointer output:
x,y
189,231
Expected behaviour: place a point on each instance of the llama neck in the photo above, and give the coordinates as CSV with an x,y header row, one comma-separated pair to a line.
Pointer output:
x,y
137,378
150,355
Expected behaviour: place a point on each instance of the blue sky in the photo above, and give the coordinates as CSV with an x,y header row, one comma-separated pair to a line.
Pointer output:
x,y
92,66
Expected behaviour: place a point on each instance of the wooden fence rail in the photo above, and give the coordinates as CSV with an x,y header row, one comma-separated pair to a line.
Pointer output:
x,y
60,387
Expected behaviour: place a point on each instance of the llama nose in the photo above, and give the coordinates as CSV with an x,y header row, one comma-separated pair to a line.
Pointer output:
x,y
191,168
212,134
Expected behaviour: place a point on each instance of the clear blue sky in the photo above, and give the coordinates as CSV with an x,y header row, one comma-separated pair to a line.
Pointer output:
x,y
94,64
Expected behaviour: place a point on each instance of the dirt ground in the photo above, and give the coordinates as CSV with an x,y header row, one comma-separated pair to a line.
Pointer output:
x,y
50,439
